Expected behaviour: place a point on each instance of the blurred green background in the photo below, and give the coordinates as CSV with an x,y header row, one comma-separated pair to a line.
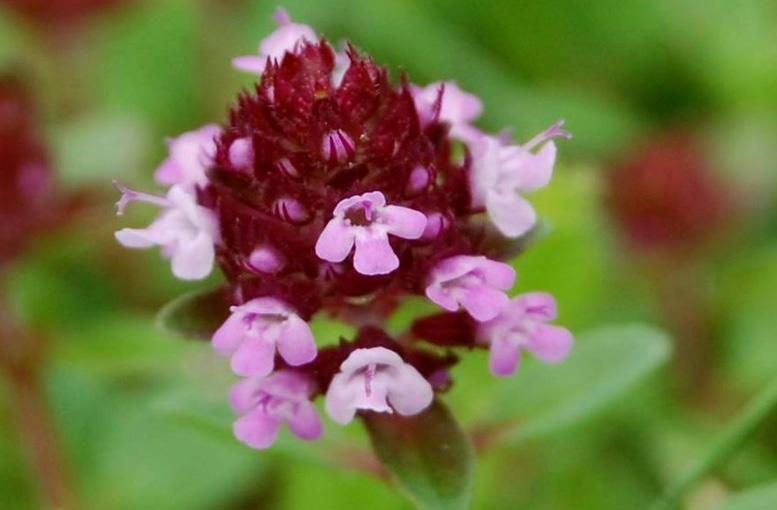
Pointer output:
x,y
140,414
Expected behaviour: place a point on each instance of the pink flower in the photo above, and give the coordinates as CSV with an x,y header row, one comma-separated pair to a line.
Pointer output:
x,y
500,172
265,403
190,154
474,283
285,38
522,325
255,329
457,108
364,221
376,379
185,230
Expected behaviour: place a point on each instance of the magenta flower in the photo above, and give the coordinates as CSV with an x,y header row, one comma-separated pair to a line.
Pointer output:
x,y
285,38
186,231
364,222
190,155
500,172
265,403
474,283
522,325
255,329
376,379
446,102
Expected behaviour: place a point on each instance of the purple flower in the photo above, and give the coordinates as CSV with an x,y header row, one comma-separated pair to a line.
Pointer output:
x,y
364,221
376,379
255,329
522,325
285,38
474,283
190,154
265,403
500,172
456,107
184,230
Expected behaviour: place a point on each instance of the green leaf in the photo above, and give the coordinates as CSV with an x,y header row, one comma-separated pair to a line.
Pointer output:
x,y
604,365
196,315
428,455
763,497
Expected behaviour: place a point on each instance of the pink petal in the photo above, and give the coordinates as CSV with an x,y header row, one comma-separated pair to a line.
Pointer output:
x,y
243,395
241,153
539,306
409,393
497,274
168,173
511,214
254,357
194,260
335,242
360,358
504,356
534,171
135,238
305,423
437,295
484,303
550,343
229,336
250,64
404,222
341,396
374,255
257,429
296,344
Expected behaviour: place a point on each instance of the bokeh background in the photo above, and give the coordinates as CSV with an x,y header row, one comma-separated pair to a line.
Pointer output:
x,y
662,212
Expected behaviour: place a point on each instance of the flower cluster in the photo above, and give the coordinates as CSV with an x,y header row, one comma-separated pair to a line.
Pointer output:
x,y
332,191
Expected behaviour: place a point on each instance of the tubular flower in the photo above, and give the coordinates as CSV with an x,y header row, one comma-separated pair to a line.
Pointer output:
x,y
333,191
190,156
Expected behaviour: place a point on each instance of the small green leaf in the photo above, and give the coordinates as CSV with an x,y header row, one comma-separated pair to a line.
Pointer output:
x,y
196,315
603,366
428,455
763,497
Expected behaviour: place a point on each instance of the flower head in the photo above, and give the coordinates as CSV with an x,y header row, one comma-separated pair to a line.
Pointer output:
x,y
376,379
523,325
256,329
265,403
333,191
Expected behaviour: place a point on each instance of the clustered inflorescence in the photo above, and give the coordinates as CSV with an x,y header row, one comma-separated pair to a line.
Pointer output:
x,y
332,190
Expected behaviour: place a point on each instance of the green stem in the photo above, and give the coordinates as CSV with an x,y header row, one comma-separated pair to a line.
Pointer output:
x,y
759,409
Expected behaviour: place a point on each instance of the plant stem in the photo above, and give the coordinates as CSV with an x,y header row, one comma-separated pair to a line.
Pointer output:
x,y
758,410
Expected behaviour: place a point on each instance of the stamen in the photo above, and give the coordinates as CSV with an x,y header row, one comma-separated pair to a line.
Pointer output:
x,y
129,195
555,131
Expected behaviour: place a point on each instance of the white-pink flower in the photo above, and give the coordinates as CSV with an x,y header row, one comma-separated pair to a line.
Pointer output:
x,y
522,325
284,38
500,173
362,223
186,231
457,108
190,155
265,403
475,283
376,379
254,331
